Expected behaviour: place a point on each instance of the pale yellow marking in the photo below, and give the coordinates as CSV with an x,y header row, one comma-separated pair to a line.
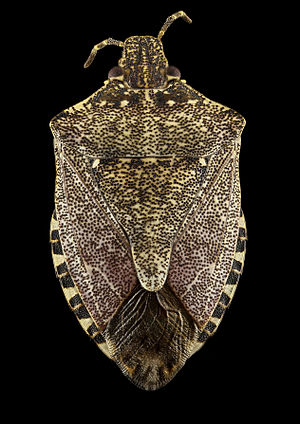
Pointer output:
x,y
239,256
229,289
58,259
147,97
242,222
170,78
171,123
95,163
86,323
192,102
104,348
124,103
70,292
54,224
216,321
170,102
127,132
119,78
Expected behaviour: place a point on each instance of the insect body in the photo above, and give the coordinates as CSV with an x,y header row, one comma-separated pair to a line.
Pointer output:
x,y
148,237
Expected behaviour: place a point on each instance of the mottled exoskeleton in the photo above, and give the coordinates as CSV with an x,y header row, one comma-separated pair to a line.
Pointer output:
x,y
148,237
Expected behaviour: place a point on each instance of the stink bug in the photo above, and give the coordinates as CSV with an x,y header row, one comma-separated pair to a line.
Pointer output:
x,y
148,237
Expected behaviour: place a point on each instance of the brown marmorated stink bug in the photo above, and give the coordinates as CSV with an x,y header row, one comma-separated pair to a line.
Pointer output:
x,y
148,237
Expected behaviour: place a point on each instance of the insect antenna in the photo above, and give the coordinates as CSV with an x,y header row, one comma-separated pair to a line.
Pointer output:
x,y
107,42
171,19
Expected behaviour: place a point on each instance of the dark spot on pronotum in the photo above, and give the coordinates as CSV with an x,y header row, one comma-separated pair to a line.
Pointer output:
x,y
160,99
134,98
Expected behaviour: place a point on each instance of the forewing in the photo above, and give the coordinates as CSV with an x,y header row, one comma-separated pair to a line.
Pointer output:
x,y
204,251
94,246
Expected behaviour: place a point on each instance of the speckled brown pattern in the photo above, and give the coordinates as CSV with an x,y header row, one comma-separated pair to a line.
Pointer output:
x,y
149,197
148,208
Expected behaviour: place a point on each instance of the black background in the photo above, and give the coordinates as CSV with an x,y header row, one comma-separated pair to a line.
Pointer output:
x,y
231,53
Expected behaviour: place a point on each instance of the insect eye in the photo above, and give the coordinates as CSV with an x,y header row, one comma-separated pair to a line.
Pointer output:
x,y
115,72
172,71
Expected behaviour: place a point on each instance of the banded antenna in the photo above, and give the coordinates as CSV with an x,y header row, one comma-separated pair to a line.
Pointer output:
x,y
171,19
107,42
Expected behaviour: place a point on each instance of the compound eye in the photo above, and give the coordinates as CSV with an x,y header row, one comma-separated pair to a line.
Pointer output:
x,y
115,72
172,71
